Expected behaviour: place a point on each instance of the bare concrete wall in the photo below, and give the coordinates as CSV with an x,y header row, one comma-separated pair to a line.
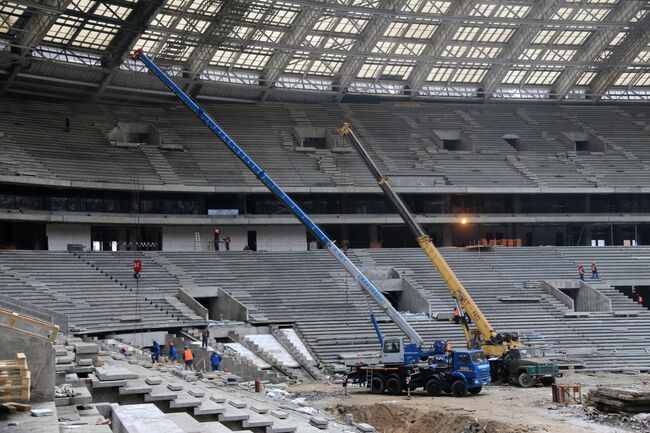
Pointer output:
x,y
228,308
40,360
60,235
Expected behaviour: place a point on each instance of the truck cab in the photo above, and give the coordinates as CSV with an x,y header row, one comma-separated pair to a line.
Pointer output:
x,y
468,371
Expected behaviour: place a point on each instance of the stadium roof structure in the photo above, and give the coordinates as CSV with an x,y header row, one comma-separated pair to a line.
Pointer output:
x,y
329,50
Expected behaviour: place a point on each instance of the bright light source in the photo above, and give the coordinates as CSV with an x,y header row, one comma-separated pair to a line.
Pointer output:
x,y
463,221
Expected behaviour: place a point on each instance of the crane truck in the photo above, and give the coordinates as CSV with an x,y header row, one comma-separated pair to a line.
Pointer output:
x,y
509,359
460,372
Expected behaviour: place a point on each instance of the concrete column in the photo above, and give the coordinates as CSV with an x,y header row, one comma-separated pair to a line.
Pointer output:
x,y
586,235
516,204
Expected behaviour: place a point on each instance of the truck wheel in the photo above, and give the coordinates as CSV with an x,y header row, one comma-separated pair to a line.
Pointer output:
x,y
376,385
458,388
548,381
433,387
475,391
393,385
524,380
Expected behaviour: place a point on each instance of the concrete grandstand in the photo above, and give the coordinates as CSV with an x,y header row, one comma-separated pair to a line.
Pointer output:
x,y
516,131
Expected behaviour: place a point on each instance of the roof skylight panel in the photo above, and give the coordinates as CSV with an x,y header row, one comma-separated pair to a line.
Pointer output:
x,y
397,71
63,29
224,57
543,76
9,14
625,79
327,65
591,14
514,76
149,41
435,7
586,78
512,11
267,35
558,55
495,34
395,29
563,14
543,37
325,23
298,64
454,51
112,11
337,43
468,75
352,26
191,25
618,38
643,79
162,20
604,55
409,49
204,7
481,52
283,17
466,33
81,5
571,37
482,10
383,47
312,41
530,54
253,58
419,31
371,68
440,74
643,57
95,35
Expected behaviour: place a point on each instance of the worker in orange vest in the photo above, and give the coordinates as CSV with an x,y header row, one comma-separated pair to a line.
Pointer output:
x,y
594,270
456,315
581,272
447,347
188,358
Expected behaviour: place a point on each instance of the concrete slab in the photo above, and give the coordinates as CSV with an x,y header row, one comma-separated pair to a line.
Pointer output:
x,y
67,358
174,386
281,428
365,428
208,407
186,422
184,401
233,415
259,409
256,420
153,380
136,386
195,392
218,398
59,350
237,403
82,348
279,414
109,372
96,383
215,427
160,393
142,418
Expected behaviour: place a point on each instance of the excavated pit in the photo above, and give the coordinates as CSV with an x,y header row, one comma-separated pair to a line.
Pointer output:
x,y
397,418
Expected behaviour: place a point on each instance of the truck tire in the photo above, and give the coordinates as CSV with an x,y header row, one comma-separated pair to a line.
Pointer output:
x,y
433,387
475,391
524,380
394,385
376,385
458,388
548,381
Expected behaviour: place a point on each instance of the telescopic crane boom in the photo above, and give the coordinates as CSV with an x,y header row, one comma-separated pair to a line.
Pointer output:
x,y
416,340
483,336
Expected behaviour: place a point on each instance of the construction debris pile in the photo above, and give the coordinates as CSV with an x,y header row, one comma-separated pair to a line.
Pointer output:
x,y
627,400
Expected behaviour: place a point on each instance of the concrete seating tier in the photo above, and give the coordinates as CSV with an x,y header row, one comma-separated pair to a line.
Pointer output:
x,y
400,139
93,301
331,313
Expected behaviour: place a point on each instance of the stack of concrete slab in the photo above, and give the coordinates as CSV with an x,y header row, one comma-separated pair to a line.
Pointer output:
x,y
616,399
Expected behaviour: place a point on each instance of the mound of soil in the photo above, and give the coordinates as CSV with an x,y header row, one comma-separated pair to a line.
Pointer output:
x,y
396,418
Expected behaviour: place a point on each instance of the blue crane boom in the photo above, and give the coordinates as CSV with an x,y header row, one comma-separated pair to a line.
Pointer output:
x,y
363,281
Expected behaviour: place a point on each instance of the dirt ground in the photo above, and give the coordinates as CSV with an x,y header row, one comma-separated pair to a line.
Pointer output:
x,y
498,409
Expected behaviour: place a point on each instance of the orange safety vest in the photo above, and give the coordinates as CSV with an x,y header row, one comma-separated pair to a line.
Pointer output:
x,y
456,313
187,355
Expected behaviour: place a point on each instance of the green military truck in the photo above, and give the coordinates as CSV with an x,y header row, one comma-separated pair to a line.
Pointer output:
x,y
522,367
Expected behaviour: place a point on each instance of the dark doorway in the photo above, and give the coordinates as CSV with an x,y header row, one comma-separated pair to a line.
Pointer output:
x,y
16,235
252,240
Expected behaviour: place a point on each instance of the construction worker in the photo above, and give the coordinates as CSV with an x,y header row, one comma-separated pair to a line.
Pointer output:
x,y
594,270
581,272
173,354
205,336
456,315
155,352
215,361
448,346
188,358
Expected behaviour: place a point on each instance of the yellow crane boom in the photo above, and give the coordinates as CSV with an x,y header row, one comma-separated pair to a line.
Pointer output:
x,y
482,335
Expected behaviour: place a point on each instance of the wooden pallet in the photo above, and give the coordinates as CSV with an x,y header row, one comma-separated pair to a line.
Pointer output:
x,y
15,379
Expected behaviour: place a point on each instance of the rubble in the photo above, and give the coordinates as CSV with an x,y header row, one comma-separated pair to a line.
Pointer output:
x,y
627,400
